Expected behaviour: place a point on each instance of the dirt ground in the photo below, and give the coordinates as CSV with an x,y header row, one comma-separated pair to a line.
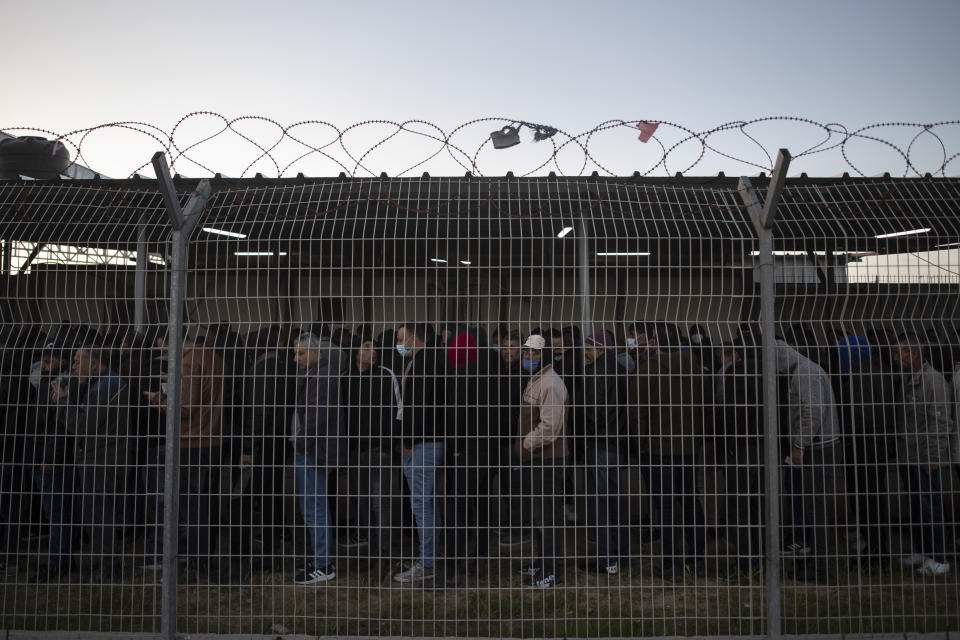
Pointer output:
x,y
586,605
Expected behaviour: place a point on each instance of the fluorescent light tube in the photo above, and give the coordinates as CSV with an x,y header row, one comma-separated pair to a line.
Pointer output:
x,y
564,231
901,233
623,253
221,232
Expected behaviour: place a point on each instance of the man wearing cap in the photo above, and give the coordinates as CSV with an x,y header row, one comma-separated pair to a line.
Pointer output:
x,y
541,449
604,426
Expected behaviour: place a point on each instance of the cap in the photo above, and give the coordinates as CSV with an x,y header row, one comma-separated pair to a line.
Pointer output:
x,y
535,342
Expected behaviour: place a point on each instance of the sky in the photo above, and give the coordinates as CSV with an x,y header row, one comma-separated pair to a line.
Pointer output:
x,y
571,65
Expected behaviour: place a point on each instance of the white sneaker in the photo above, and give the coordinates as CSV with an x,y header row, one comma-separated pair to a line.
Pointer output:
x,y
311,575
416,573
933,568
914,560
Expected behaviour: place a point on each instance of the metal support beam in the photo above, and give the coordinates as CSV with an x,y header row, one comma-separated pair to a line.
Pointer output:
x,y
583,270
37,248
763,220
183,222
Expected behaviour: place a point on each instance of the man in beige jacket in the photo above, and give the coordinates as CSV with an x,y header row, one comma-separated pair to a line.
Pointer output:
x,y
536,483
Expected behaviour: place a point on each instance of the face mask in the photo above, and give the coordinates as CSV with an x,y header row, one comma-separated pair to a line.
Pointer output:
x,y
632,342
626,362
403,351
496,348
696,339
530,365
557,358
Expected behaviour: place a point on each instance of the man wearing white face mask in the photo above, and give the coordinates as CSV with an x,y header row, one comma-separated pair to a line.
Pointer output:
x,y
637,344
422,434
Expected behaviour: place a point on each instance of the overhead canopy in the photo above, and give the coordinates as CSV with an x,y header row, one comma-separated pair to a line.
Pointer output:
x,y
398,221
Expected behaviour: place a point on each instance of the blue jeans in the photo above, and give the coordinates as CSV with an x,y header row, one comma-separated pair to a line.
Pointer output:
x,y
926,511
56,494
420,470
312,487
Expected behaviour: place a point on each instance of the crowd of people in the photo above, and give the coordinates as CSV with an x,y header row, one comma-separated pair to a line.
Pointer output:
x,y
486,440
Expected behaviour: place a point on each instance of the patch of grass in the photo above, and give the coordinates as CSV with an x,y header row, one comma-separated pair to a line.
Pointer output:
x,y
633,604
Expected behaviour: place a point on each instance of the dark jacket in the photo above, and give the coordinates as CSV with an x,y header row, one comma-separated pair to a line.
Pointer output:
x,y
604,402
320,431
740,414
423,384
369,409
270,395
470,430
505,398
53,444
667,407
100,421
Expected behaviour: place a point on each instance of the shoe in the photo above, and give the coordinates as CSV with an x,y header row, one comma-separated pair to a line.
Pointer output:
x,y
529,570
352,540
546,582
416,573
569,513
914,560
933,568
608,568
795,549
310,575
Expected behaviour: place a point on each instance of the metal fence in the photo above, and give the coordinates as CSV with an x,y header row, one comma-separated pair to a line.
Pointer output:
x,y
740,421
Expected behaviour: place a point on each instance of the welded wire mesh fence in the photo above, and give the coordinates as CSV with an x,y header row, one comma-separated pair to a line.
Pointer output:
x,y
480,407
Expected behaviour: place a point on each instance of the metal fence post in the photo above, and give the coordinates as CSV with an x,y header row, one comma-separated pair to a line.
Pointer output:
x,y
763,220
182,222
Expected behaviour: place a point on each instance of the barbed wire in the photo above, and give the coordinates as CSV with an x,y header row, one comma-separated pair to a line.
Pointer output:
x,y
671,147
